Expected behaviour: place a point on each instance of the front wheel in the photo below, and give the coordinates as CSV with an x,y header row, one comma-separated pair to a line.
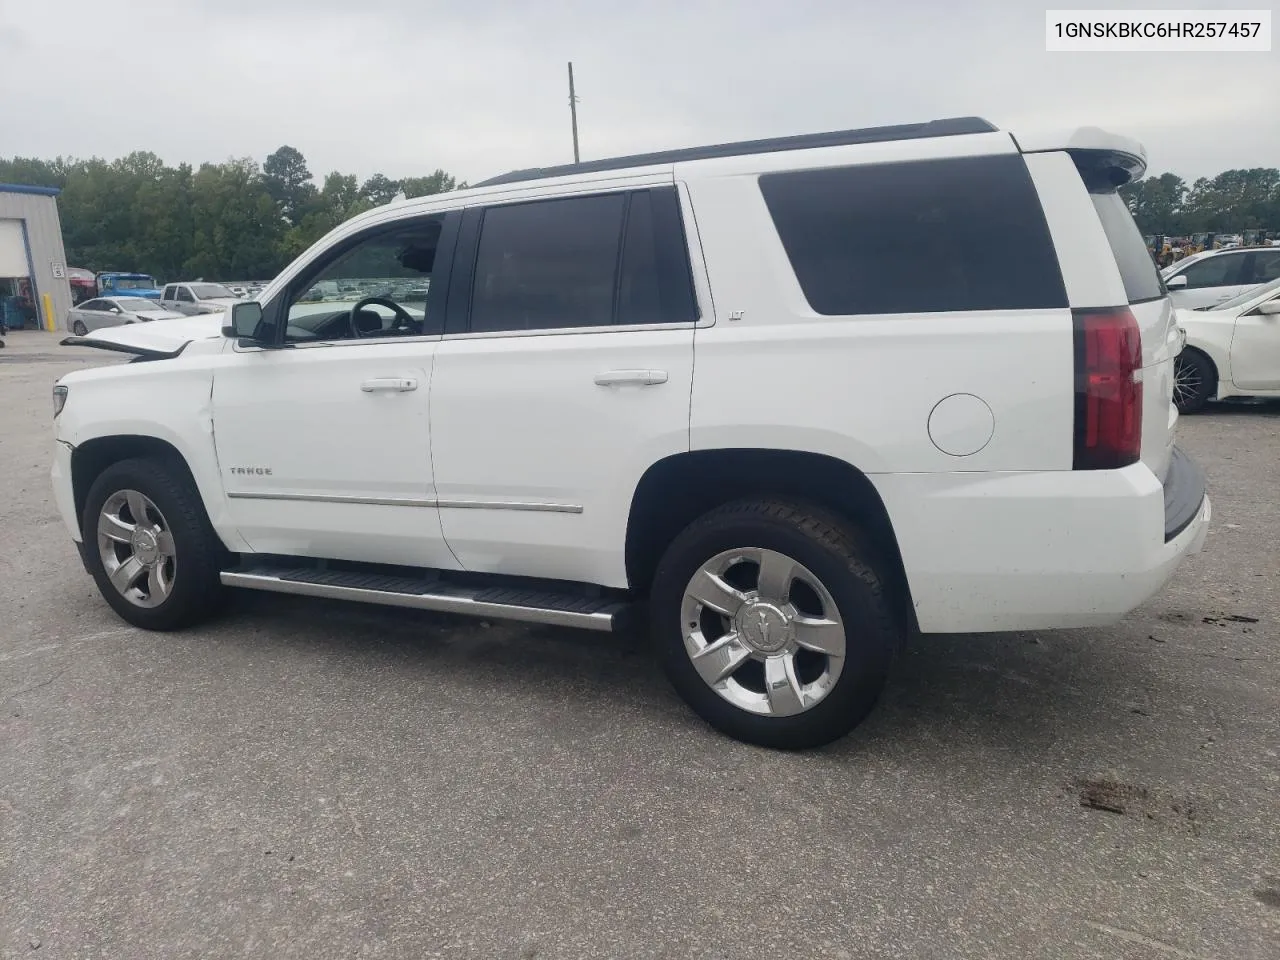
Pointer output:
x,y
79,329
773,623
149,544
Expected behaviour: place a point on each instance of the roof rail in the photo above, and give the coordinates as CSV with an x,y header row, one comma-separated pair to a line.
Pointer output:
x,y
955,126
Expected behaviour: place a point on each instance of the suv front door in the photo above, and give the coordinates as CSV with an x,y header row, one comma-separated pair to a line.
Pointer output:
x,y
323,438
564,373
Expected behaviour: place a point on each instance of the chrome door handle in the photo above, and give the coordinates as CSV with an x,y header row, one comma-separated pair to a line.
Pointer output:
x,y
390,385
645,378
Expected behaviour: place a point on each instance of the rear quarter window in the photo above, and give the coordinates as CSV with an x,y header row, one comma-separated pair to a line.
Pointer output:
x,y
920,237
1137,269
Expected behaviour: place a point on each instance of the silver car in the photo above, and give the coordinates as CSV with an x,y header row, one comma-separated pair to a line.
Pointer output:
x,y
197,297
114,312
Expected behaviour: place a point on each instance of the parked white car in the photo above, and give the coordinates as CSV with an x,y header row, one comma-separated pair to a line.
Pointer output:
x,y
1232,350
1215,276
865,447
103,312
195,298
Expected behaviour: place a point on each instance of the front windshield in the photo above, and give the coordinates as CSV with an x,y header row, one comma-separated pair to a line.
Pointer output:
x,y
1253,293
134,283
210,291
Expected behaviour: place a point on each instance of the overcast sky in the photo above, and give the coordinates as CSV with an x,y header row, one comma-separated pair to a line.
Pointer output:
x,y
479,86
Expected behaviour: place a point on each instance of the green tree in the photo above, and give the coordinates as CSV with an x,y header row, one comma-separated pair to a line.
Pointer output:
x,y
379,189
288,181
438,182
1157,203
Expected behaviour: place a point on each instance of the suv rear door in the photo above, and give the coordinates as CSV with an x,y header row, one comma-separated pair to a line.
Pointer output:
x,y
564,373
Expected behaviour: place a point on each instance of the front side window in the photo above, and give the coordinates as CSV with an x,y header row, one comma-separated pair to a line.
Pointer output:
x,y
184,295
94,305
924,236
168,293
376,286
1214,272
617,258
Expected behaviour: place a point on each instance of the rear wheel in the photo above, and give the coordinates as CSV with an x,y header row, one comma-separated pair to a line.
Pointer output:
x,y
149,544
1194,381
773,624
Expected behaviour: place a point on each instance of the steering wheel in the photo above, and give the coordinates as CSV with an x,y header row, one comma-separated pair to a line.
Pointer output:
x,y
404,319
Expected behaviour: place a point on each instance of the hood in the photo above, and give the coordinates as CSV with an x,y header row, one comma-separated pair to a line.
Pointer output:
x,y
157,338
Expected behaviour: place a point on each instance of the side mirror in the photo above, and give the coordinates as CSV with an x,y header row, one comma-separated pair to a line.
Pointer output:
x,y
1270,309
245,320
1177,283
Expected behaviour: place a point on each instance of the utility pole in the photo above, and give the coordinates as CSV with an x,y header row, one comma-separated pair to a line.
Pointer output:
x,y
573,113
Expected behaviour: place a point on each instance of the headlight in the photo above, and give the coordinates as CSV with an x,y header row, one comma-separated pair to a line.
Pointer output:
x,y
59,398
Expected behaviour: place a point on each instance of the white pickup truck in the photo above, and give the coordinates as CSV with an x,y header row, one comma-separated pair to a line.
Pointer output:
x,y
801,396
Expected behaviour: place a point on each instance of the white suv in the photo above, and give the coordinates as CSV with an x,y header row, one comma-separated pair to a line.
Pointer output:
x,y
804,396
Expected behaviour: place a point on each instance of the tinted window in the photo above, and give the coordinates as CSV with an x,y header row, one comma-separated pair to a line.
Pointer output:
x,y
168,293
94,305
656,285
547,264
921,237
1214,272
185,295
1264,266
1137,270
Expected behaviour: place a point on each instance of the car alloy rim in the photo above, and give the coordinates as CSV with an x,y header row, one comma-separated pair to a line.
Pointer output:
x,y
763,632
137,548
1186,382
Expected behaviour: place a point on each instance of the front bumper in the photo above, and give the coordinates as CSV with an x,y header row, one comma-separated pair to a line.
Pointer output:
x,y
64,496
1029,551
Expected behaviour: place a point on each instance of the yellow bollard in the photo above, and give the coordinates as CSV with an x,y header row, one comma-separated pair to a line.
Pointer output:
x,y
49,323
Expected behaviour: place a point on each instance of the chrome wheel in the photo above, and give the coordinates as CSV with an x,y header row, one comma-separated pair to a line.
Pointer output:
x,y
137,549
1188,382
763,632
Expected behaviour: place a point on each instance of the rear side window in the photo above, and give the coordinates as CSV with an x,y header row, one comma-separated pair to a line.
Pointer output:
x,y
582,262
920,237
1137,269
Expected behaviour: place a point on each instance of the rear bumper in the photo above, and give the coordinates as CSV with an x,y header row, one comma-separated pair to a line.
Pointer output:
x,y
1184,493
1025,551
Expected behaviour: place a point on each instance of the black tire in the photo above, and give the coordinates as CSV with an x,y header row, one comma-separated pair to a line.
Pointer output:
x,y
79,329
196,590
835,553
1195,381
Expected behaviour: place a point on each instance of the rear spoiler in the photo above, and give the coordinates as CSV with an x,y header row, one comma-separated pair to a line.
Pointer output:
x,y
143,353
1094,150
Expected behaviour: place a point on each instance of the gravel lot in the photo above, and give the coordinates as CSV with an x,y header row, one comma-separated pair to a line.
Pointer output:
x,y
312,779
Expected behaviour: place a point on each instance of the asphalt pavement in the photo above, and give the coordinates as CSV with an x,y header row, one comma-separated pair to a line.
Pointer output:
x,y
315,779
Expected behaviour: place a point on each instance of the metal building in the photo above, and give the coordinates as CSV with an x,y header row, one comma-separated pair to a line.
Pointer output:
x,y
33,264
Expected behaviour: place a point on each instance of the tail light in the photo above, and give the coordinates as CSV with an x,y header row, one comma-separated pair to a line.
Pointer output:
x,y
1108,366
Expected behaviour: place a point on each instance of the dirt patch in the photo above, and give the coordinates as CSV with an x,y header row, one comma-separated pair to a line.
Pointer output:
x,y
1113,796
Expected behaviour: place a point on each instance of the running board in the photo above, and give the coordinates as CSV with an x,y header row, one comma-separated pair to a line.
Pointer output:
x,y
505,603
